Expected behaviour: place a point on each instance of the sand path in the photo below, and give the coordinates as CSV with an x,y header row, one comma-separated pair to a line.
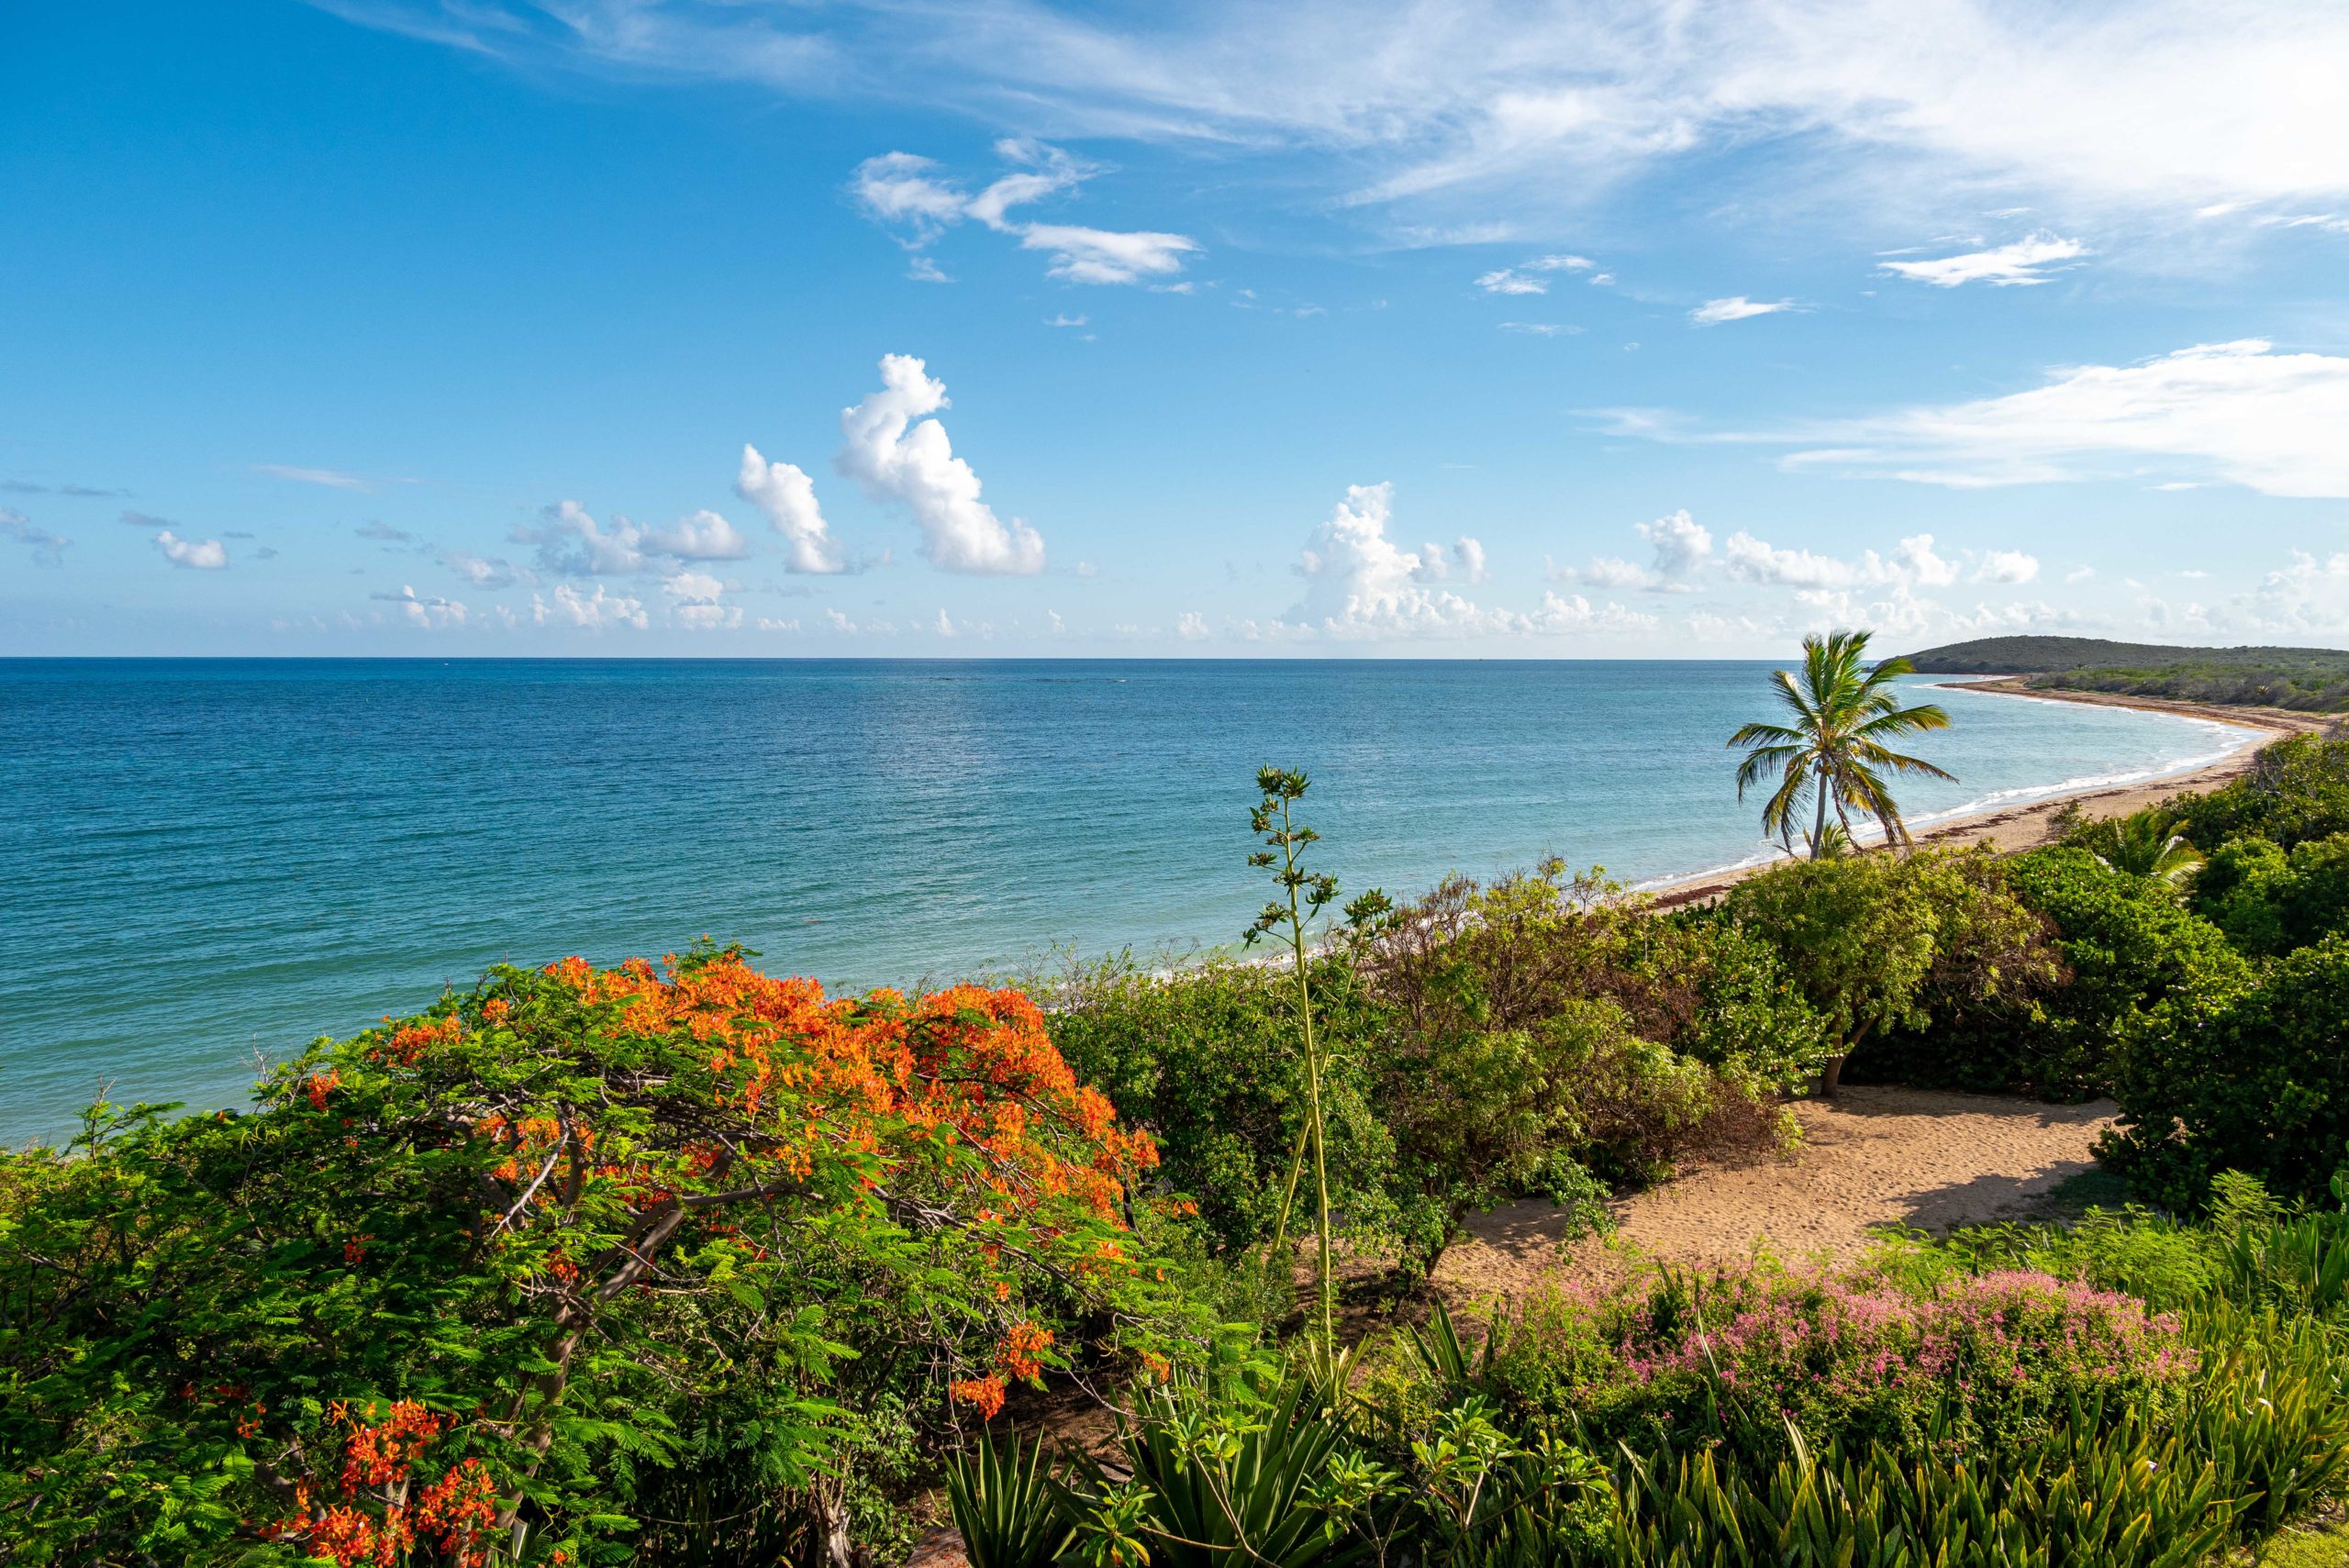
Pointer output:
x,y
1871,1156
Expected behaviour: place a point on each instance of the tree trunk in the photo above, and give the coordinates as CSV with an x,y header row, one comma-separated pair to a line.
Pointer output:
x,y
1831,1077
1818,826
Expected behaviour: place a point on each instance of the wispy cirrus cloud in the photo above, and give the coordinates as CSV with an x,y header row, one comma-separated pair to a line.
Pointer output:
x,y
2156,108
1737,307
919,201
2240,412
332,478
2026,262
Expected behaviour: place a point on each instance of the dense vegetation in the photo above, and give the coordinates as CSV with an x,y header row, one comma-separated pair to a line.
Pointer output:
x,y
689,1265
2314,680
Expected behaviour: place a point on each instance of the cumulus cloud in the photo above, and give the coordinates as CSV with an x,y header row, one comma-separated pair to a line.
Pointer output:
x,y
784,492
916,197
1359,583
1736,307
1466,558
1361,586
200,555
899,453
1682,547
694,602
1912,565
704,535
48,548
2007,566
571,543
2239,411
482,572
594,611
2031,260
424,609
1193,626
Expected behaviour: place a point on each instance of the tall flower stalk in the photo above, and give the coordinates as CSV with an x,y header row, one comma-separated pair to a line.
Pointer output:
x,y
1288,916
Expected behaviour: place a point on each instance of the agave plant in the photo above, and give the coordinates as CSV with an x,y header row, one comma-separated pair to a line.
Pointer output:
x,y
1270,1482
1004,1504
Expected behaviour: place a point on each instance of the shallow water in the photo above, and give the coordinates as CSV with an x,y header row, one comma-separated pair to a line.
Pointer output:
x,y
203,860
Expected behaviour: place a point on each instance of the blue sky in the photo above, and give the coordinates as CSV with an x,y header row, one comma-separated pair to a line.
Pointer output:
x,y
441,327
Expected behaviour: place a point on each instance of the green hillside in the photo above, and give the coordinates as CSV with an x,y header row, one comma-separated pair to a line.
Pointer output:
x,y
2314,680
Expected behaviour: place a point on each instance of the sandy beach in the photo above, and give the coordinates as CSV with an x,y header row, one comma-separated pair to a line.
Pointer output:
x,y
2025,827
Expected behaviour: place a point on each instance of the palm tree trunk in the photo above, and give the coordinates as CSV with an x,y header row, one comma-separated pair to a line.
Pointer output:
x,y
1819,827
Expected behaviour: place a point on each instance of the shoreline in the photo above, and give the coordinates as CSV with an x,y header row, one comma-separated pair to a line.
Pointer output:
x,y
2014,827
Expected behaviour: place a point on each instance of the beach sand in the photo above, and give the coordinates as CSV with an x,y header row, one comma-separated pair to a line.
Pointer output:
x,y
1875,1155
2025,827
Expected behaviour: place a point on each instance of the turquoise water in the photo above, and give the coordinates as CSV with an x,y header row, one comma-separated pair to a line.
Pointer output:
x,y
201,860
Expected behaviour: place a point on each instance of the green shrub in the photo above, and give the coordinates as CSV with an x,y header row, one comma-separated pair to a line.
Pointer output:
x,y
1883,946
2296,789
2269,901
2140,968
1205,1058
2256,1081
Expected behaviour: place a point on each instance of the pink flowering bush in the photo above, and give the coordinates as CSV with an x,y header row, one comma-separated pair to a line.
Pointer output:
x,y
1734,1355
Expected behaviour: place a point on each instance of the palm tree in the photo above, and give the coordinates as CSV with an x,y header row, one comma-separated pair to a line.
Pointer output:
x,y
2145,843
1832,753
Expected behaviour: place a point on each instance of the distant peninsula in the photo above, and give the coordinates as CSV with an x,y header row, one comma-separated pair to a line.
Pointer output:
x,y
2308,680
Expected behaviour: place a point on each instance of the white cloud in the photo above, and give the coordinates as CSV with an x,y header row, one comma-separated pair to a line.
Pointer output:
x,y
1192,627
2030,260
1358,584
2007,566
425,610
490,573
904,188
333,479
1681,543
48,548
1467,557
2080,574
1104,256
1683,547
838,622
942,625
1736,307
703,536
595,612
766,625
2238,411
784,492
910,194
914,465
1912,565
1542,328
572,543
694,602
2159,107
203,555
1502,280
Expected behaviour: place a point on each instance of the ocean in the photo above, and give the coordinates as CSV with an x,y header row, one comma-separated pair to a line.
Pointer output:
x,y
204,862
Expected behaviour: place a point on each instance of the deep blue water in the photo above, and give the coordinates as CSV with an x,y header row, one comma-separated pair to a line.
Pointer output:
x,y
203,860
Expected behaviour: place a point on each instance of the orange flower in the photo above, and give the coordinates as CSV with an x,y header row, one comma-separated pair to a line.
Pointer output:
x,y
1020,1347
985,1393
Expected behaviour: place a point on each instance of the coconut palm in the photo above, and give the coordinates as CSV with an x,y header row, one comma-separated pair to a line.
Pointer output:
x,y
1832,755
